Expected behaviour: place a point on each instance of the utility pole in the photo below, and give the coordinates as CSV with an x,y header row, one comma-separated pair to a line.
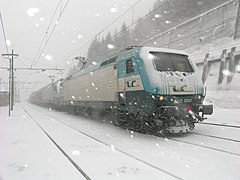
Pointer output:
x,y
11,78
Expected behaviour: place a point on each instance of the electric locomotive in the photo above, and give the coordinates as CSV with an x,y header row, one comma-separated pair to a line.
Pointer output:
x,y
148,88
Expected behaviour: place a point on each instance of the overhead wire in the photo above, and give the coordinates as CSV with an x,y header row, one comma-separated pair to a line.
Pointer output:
x,y
45,35
52,31
4,34
133,23
100,32
30,60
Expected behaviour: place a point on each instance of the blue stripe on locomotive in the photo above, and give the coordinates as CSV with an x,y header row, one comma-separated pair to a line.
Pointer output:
x,y
140,101
139,68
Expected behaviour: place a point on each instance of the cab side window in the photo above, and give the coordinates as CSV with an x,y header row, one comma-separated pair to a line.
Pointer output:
x,y
129,66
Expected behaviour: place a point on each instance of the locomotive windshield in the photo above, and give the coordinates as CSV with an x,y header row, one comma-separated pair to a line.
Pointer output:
x,y
171,62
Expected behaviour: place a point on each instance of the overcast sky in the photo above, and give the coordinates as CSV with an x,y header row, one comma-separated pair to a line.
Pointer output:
x,y
26,22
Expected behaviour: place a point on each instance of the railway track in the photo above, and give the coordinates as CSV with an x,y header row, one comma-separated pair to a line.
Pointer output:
x,y
192,143
99,141
60,149
216,137
170,138
204,146
223,125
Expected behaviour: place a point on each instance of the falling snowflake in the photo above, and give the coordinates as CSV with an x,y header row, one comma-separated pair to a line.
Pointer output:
x,y
167,22
113,10
92,84
227,72
157,16
150,56
8,42
94,63
73,97
48,57
110,46
121,95
238,68
80,36
32,11
75,152
113,148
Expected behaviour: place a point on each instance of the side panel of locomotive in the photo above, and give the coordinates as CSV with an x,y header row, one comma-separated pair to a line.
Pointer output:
x,y
93,87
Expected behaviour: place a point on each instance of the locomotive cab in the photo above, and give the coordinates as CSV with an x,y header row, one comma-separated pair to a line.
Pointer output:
x,y
179,91
159,89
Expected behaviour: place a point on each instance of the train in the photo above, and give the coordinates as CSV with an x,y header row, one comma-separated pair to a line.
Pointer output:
x,y
148,89
4,98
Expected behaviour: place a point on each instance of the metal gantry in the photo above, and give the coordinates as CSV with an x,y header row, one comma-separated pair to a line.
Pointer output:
x,y
11,78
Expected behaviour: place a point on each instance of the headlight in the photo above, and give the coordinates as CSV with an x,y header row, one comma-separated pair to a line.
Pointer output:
x,y
161,98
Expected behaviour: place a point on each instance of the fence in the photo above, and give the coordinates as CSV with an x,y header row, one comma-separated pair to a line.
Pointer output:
x,y
227,62
212,25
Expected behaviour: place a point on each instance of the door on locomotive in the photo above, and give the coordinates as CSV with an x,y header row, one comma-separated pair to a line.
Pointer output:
x,y
128,79
129,91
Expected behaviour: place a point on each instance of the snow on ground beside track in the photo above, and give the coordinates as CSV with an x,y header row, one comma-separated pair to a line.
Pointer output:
x,y
27,154
186,161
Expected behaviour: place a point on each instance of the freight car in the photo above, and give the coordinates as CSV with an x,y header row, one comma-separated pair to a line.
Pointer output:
x,y
150,89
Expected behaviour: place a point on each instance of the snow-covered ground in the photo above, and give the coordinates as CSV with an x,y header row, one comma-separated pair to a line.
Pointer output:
x,y
104,151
